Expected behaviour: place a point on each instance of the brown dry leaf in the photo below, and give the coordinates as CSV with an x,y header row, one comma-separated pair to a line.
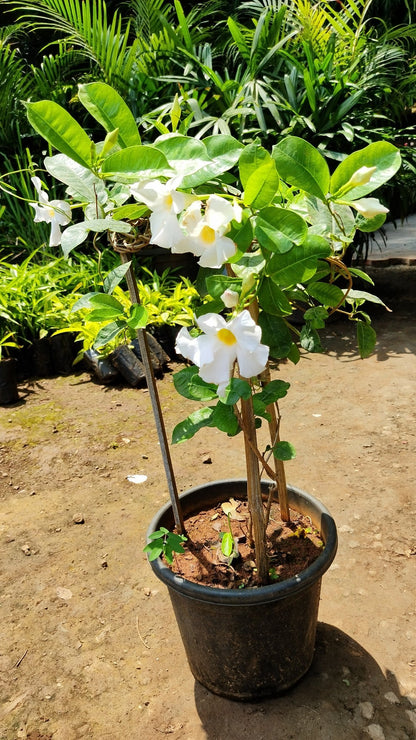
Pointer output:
x,y
230,508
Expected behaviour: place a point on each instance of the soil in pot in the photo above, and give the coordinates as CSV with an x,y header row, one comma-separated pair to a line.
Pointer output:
x,y
293,546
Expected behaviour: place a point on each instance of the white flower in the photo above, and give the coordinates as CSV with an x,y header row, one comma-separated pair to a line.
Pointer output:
x,y
368,207
159,196
222,343
165,203
230,298
206,231
57,213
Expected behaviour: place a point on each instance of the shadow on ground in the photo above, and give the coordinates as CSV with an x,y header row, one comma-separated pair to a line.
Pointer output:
x,y
344,696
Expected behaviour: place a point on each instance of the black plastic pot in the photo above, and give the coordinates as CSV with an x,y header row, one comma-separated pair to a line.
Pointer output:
x,y
8,381
253,643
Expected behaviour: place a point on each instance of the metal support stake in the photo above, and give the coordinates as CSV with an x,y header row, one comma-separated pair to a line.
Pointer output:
x,y
157,411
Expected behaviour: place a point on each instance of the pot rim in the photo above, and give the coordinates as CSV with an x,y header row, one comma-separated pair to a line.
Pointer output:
x,y
271,592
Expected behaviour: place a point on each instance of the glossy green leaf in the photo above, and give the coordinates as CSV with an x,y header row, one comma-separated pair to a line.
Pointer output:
x,y
190,385
105,313
251,157
135,163
309,339
115,277
72,236
284,451
217,284
191,425
109,109
273,391
225,419
368,225
82,183
326,293
275,333
62,131
223,152
366,339
381,154
273,300
300,264
138,317
261,186
104,299
302,166
108,333
277,229
184,153
237,388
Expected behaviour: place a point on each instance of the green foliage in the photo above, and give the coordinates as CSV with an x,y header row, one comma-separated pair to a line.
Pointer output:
x,y
163,542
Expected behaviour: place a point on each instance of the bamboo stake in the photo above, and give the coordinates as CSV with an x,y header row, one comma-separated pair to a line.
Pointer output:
x,y
154,397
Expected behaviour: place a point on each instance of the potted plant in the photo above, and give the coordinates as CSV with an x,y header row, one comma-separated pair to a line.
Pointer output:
x,y
269,230
8,371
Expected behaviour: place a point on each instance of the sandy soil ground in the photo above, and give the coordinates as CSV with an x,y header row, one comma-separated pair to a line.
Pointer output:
x,y
88,643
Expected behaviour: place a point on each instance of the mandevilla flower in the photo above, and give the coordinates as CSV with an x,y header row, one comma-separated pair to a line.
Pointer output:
x,y
57,213
368,207
222,343
205,231
165,203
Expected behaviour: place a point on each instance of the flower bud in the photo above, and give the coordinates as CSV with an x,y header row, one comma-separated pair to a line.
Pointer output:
x,y
230,298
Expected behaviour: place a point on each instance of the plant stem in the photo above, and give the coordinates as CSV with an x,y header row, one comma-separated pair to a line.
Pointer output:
x,y
254,497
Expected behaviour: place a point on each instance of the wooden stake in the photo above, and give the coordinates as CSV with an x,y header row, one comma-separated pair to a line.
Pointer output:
x,y
157,411
254,496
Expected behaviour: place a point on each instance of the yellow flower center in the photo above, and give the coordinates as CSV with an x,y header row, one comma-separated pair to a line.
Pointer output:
x,y
168,201
51,211
226,336
207,234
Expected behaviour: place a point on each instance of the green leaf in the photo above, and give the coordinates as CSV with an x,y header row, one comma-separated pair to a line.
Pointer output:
x,y
107,224
154,548
242,235
277,229
362,295
131,211
326,293
381,154
225,419
110,110
72,236
300,264
367,225
217,284
227,544
190,385
251,158
273,300
82,183
284,451
115,277
223,152
103,299
366,339
108,333
275,333
173,543
309,339
62,131
236,389
302,166
316,317
189,426
106,313
261,186
135,163
273,391
138,317
184,153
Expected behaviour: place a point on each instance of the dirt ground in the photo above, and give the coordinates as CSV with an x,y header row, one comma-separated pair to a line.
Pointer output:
x,y
88,643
